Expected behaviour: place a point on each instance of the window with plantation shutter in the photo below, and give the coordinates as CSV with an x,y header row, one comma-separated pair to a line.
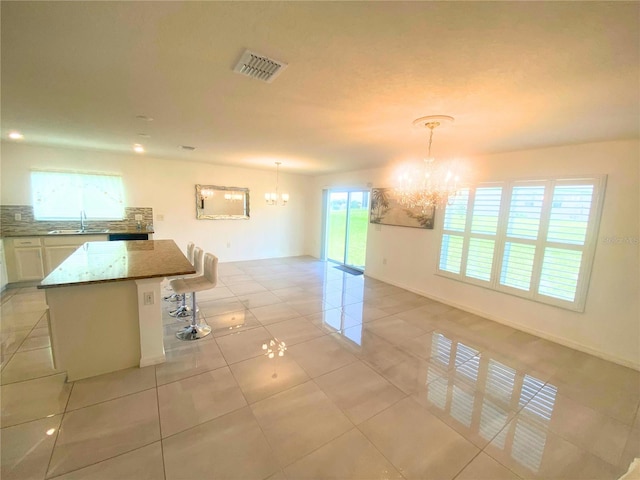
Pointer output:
x,y
469,233
533,239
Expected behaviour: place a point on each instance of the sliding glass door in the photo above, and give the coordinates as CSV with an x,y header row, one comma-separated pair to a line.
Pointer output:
x,y
346,227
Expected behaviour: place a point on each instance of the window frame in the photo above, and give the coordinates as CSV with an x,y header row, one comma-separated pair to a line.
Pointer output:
x,y
80,207
541,243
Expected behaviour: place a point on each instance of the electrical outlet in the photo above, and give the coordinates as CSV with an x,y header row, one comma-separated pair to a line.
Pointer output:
x,y
160,217
138,217
228,244
18,217
384,261
148,298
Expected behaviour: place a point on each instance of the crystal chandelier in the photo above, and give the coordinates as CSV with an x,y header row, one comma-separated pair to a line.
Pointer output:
x,y
432,184
275,198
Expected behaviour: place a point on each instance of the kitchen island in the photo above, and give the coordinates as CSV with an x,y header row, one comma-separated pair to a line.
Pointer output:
x,y
104,305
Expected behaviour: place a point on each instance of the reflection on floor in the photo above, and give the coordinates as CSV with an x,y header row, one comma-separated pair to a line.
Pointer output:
x,y
314,373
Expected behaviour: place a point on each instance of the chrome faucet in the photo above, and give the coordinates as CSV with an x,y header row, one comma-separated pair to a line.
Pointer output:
x,y
83,220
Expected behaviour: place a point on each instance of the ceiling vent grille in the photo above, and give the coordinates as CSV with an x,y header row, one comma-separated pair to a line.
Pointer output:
x,y
258,66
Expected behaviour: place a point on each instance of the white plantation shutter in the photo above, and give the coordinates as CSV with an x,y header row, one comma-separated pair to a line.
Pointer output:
x,y
480,258
469,239
482,239
455,219
566,236
570,240
533,239
523,225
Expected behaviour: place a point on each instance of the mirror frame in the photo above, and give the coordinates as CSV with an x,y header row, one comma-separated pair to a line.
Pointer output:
x,y
200,215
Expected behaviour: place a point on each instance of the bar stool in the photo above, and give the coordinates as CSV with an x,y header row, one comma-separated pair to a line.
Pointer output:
x,y
174,297
183,310
207,280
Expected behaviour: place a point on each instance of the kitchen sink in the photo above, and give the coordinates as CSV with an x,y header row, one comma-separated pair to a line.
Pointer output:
x,y
77,232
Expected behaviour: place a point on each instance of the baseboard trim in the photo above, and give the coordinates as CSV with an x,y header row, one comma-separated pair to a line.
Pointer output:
x,y
145,362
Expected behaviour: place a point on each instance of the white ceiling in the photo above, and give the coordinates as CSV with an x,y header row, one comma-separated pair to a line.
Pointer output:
x,y
515,75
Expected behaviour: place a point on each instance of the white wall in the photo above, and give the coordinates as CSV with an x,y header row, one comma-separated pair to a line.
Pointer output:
x,y
168,186
609,326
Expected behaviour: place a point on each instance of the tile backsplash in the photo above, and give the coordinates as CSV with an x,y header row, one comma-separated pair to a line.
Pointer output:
x,y
28,225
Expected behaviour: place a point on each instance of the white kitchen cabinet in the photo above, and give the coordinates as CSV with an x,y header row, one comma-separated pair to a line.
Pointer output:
x,y
27,253
3,268
33,258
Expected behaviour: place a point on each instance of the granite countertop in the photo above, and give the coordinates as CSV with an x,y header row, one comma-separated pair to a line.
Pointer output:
x,y
99,262
47,233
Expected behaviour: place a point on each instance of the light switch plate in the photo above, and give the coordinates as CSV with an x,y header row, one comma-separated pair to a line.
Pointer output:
x,y
148,298
138,217
18,217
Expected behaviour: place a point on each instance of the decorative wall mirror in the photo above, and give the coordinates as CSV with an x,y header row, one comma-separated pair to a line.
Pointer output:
x,y
222,203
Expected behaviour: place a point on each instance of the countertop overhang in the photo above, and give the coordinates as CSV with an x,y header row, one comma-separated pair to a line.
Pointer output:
x,y
99,262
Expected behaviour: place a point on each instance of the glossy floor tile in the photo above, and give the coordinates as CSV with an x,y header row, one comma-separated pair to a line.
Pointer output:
x,y
144,463
321,355
483,467
359,391
189,359
99,432
37,338
26,448
261,377
311,372
195,400
27,365
349,456
299,420
232,446
34,399
109,386
428,449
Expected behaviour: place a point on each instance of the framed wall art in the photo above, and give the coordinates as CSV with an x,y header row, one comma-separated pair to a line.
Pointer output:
x,y
387,210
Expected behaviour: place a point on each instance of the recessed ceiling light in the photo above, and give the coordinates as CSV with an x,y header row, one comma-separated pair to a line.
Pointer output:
x,y
145,118
144,135
16,135
138,148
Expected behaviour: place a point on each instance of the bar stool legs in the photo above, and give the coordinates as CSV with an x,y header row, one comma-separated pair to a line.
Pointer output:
x,y
194,330
183,311
174,297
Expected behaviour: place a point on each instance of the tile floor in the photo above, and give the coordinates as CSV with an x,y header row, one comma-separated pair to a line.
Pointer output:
x,y
375,382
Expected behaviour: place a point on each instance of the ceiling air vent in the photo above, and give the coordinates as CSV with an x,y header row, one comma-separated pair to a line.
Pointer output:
x,y
258,66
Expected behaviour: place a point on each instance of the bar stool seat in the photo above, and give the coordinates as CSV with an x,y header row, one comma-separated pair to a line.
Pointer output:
x,y
209,279
183,310
174,297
